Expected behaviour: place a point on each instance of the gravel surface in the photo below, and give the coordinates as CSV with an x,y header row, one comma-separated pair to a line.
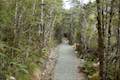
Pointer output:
x,y
67,63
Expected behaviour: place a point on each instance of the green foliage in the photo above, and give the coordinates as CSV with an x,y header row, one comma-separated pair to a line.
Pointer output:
x,y
89,61
22,48
89,67
23,76
25,42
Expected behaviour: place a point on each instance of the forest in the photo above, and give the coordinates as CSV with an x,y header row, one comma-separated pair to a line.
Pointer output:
x,y
31,29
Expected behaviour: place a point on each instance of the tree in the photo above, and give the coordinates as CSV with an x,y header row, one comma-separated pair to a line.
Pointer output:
x,y
100,42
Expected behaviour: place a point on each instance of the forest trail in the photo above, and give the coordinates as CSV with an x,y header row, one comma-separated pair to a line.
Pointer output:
x,y
67,63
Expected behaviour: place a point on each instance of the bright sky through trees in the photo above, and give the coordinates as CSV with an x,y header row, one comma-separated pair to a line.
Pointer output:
x,y
67,4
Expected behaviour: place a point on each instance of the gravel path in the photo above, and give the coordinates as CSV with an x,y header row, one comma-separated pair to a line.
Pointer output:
x,y
66,66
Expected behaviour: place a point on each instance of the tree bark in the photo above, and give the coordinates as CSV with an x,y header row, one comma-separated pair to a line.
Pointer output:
x,y
110,26
117,72
100,42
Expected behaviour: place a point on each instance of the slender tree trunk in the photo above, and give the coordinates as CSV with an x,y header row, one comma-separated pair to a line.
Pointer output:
x,y
104,35
110,26
103,17
41,30
100,42
17,21
117,72
16,24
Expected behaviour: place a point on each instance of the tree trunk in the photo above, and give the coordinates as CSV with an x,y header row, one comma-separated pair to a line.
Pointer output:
x,y
110,26
100,42
117,72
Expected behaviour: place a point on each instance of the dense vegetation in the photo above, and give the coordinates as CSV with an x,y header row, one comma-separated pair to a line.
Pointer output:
x,y
30,28
25,38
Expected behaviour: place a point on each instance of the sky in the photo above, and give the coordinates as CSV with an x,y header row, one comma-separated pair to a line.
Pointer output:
x,y
67,4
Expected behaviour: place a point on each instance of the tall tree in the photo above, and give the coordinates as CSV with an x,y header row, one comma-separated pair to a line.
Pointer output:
x,y
100,41
117,77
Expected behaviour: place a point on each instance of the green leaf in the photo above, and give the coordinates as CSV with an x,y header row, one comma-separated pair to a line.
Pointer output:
x,y
2,55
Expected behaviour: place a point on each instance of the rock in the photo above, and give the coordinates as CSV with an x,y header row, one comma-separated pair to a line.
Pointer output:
x,y
12,78
36,75
83,76
82,73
